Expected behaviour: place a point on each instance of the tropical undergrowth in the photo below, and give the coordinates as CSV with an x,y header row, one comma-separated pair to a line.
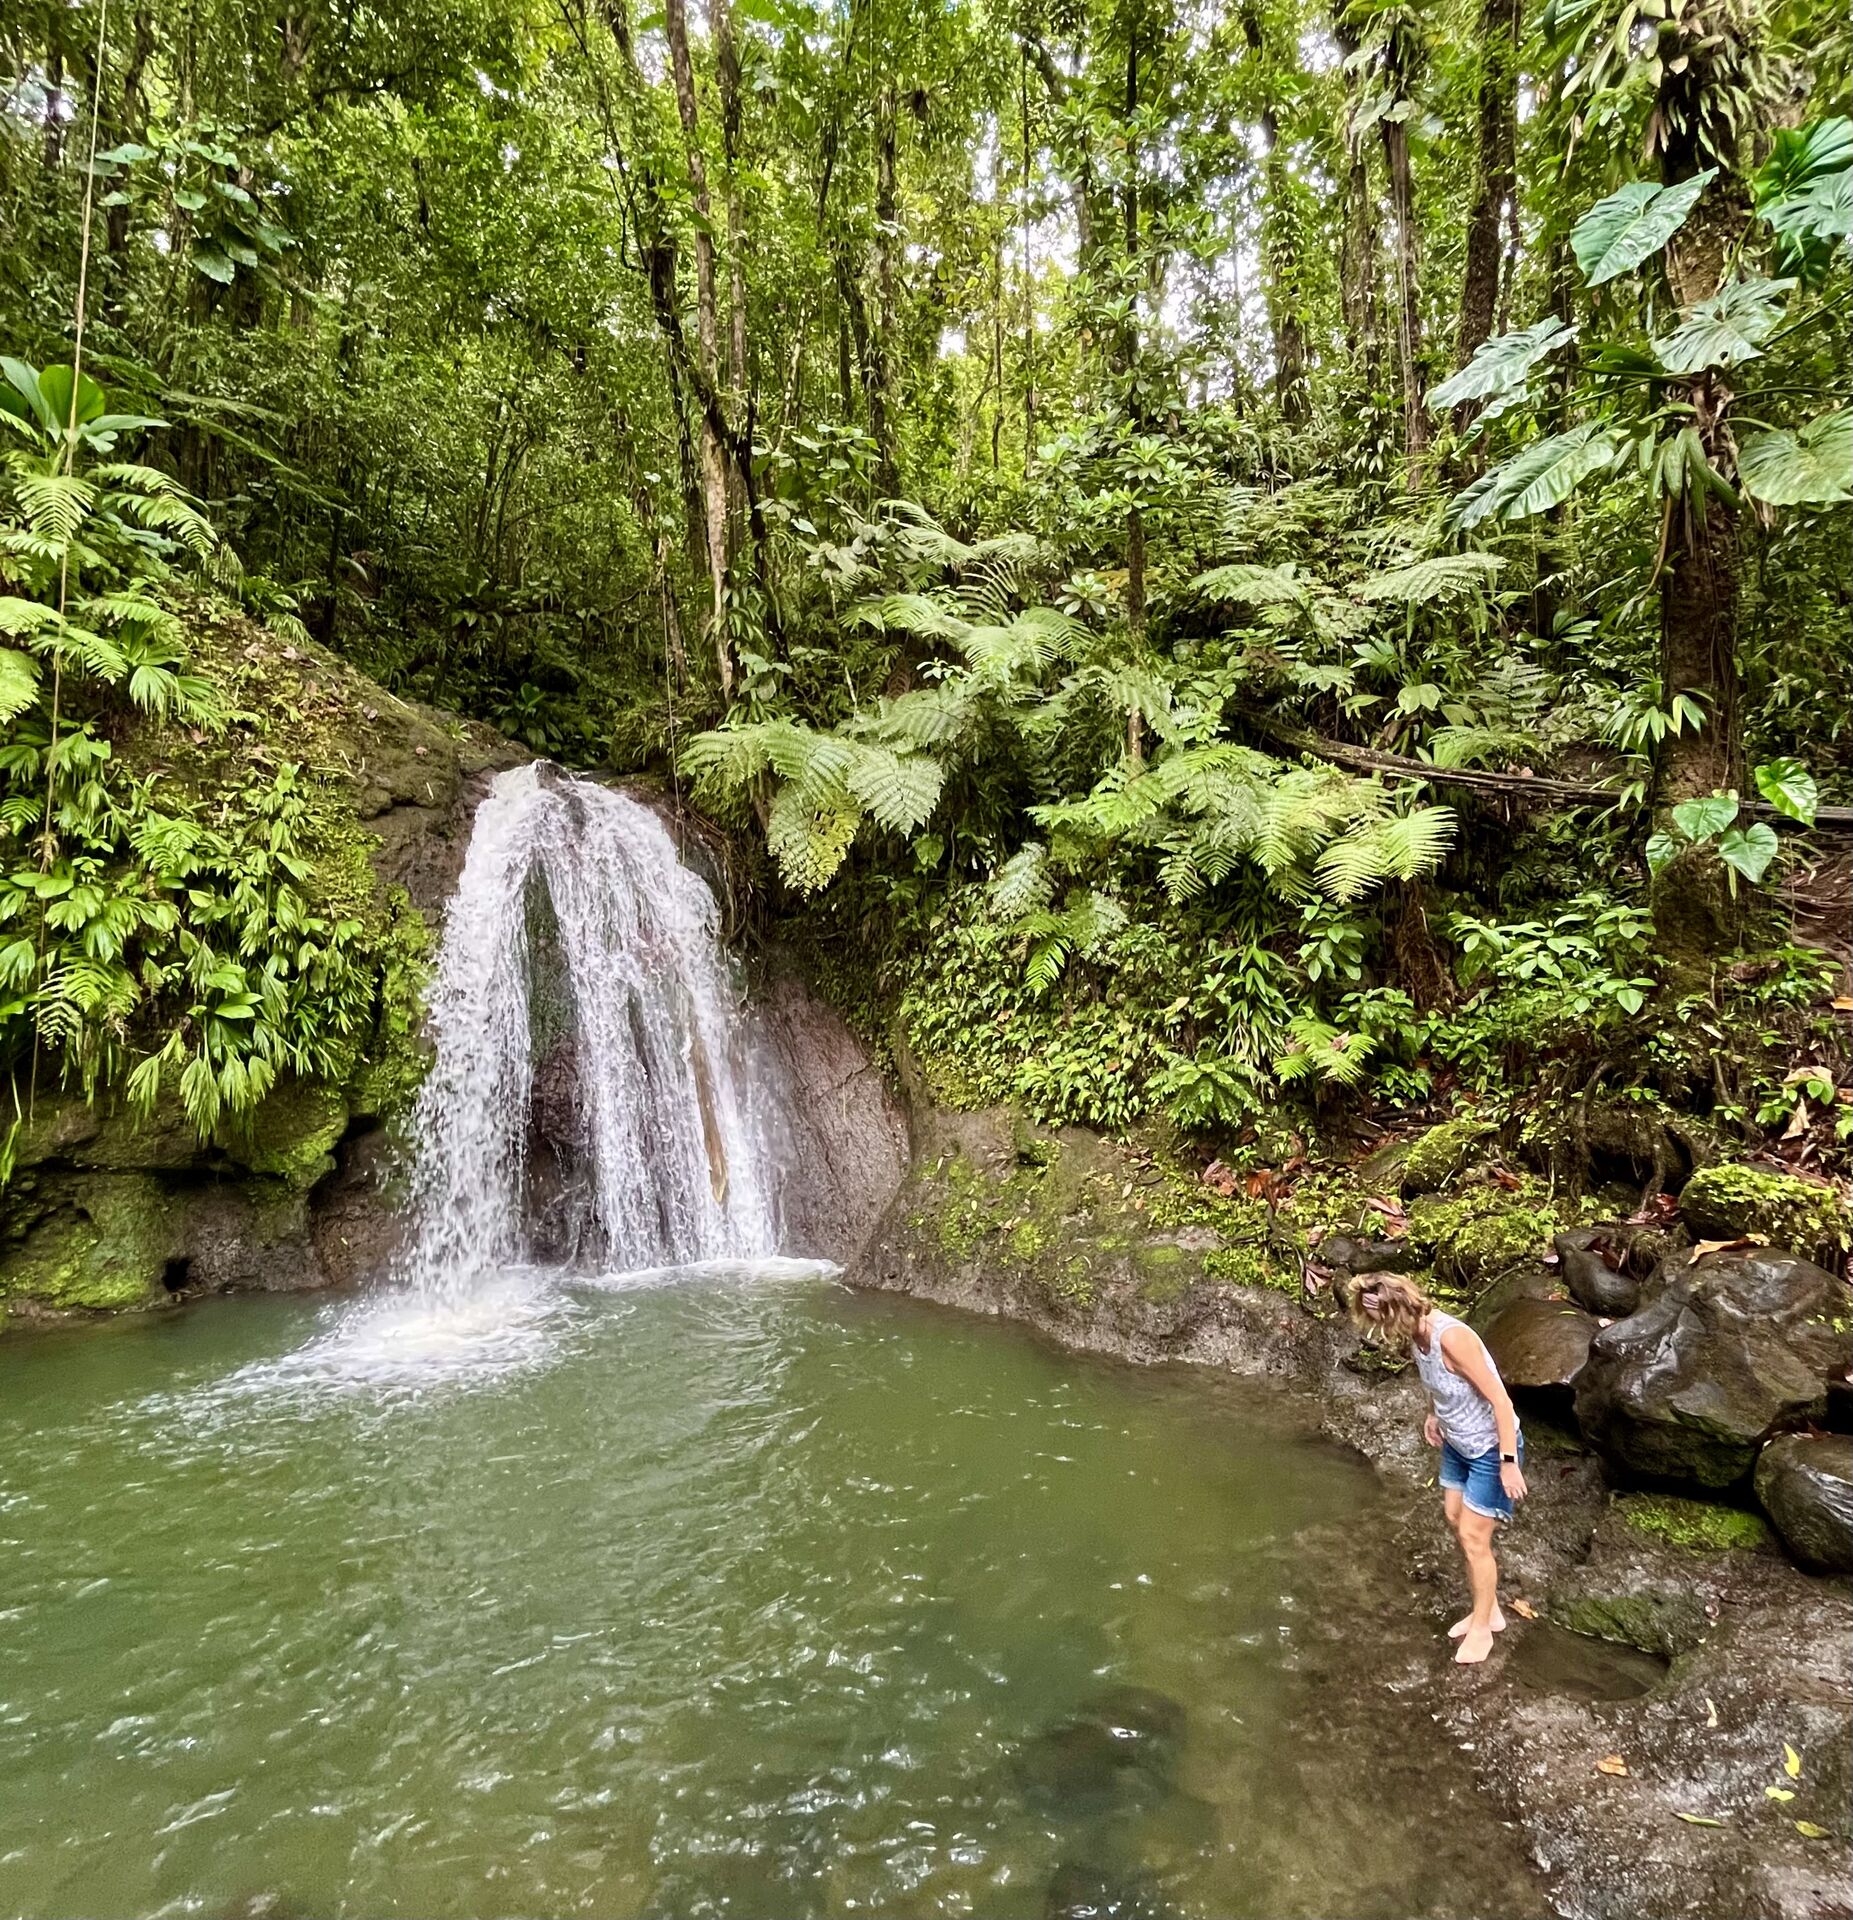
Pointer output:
x,y
182,916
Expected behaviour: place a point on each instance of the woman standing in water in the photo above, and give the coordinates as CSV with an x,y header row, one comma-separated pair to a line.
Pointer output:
x,y
1471,1420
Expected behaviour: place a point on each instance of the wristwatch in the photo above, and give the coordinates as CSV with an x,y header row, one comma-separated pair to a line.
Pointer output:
x,y
1508,1459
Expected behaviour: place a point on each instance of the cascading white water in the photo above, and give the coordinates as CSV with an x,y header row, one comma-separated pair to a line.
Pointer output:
x,y
675,1164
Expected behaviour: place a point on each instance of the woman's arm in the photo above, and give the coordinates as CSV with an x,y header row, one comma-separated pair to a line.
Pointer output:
x,y
1466,1354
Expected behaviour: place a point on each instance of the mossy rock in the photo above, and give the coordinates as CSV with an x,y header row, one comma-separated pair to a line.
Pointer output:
x,y
1474,1235
1731,1201
293,1133
1707,1526
1443,1153
102,1248
1663,1620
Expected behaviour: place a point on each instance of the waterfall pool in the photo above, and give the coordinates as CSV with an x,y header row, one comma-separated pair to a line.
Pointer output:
x,y
722,1593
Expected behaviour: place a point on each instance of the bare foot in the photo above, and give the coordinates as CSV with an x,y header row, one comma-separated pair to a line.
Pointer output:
x,y
1476,1644
1459,1628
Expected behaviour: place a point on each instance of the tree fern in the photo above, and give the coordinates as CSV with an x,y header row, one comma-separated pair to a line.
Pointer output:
x,y
1253,585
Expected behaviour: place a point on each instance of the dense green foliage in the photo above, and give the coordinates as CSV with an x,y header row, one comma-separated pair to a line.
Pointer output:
x,y
1105,492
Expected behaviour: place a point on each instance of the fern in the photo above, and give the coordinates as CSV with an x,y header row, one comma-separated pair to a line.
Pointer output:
x,y
809,842
898,791
1022,884
1254,586
1321,1052
1444,579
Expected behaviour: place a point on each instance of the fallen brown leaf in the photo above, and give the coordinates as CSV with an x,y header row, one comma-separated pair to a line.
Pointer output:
x,y
1612,1763
1524,1609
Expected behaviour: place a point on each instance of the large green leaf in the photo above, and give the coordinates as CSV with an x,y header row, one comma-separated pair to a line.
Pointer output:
x,y
1725,330
1749,849
1500,369
1706,816
1804,190
55,384
1789,787
1542,476
1618,233
1809,468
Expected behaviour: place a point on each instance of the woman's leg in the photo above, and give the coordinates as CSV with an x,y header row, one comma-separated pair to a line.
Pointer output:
x,y
1453,1504
1476,1538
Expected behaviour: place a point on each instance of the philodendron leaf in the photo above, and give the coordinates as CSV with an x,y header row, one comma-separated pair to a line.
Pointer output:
x,y
1804,190
1749,849
1725,330
1705,817
1618,233
1500,369
1789,787
1662,850
1542,476
1812,467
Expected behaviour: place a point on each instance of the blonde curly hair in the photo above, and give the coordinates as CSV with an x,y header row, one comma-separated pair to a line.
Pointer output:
x,y
1387,1309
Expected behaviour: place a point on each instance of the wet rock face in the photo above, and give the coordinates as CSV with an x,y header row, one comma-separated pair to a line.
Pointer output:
x,y
1737,1347
1540,1344
1805,1482
841,1137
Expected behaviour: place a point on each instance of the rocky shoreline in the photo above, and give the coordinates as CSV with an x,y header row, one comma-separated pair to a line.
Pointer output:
x,y
1677,1800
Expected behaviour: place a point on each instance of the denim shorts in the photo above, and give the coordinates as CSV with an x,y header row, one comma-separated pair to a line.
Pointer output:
x,y
1478,1478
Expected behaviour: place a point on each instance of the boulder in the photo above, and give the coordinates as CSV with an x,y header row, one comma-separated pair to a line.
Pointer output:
x,y
1540,1343
1805,1482
1737,1347
1730,1201
1590,1278
1528,1280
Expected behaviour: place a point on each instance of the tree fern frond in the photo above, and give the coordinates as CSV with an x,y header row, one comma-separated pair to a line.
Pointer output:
x,y
1253,585
1022,885
55,505
1440,580
898,791
809,842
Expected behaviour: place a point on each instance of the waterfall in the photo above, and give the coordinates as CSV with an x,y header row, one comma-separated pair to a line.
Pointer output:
x,y
578,947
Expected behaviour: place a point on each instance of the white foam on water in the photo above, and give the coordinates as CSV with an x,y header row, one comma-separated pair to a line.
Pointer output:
x,y
405,1340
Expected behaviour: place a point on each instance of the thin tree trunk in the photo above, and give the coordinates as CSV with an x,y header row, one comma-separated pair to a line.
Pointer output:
x,y
885,343
707,334
1698,596
1496,176
1283,315
1399,76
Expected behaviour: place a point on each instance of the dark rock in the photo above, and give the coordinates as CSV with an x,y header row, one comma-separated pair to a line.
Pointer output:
x,y
843,1138
1121,1747
1551,1659
1739,1346
1805,1482
1346,1253
1540,1343
1592,1280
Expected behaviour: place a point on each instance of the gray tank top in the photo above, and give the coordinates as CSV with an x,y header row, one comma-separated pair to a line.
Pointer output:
x,y
1464,1413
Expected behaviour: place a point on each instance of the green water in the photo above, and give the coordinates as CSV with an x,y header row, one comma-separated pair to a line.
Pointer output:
x,y
732,1595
